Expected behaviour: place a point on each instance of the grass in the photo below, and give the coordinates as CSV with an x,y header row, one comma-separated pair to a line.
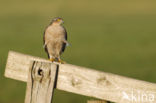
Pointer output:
x,y
111,36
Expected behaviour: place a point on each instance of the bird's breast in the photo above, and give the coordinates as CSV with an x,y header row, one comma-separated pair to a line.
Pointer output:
x,y
55,33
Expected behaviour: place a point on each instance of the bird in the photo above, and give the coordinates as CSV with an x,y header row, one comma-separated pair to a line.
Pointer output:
x,y
55,40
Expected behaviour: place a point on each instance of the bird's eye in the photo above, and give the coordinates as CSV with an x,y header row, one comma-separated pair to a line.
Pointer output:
x,y
58,20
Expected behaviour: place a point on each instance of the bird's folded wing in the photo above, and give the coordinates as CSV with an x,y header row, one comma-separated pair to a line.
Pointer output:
x,y
45,44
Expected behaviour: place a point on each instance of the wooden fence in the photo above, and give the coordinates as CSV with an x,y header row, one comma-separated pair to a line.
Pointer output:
x,y
42,77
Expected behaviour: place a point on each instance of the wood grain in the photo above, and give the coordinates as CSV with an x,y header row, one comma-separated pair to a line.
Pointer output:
x,y
40,82
17,65
88,82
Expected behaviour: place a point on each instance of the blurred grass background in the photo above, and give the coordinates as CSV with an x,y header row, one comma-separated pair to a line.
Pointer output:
x,y
117,36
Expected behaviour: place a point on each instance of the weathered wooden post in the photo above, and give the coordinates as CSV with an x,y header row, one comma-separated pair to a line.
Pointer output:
x,y
40,84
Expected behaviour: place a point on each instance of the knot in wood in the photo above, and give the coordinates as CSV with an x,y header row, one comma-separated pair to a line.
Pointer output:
x,y
41,72
103,81
75,81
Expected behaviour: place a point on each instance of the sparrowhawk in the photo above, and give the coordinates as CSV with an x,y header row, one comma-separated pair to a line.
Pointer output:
x,y
55,39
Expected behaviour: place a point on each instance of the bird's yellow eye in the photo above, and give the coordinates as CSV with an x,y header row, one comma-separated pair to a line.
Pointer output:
x,y
58,20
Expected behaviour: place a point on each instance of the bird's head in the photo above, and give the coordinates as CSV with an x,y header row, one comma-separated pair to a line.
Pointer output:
x,y
57,21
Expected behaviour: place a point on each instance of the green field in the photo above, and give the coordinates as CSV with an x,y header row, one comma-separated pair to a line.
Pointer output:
x,y
114,36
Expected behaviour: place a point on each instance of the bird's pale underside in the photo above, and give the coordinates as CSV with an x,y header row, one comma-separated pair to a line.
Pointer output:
x,y
55,39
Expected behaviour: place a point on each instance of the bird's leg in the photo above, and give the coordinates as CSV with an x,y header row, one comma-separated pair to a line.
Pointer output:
x,y
61,61
51,58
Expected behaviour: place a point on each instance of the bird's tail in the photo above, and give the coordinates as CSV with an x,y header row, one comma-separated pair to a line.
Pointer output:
x,y
67,43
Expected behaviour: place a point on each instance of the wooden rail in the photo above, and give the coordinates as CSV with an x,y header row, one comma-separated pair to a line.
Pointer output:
x,y
85,81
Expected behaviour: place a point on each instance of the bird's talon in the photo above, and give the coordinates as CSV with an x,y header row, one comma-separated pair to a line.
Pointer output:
x,y
61,61
52,60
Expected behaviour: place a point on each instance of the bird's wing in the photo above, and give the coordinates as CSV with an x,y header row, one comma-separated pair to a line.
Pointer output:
x,y
65,41
45,43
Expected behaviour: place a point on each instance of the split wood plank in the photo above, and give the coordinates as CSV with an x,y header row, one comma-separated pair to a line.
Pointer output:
x,y
40,84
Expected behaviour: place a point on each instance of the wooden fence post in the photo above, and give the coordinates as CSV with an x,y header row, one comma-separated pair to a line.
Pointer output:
x,y
40,84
